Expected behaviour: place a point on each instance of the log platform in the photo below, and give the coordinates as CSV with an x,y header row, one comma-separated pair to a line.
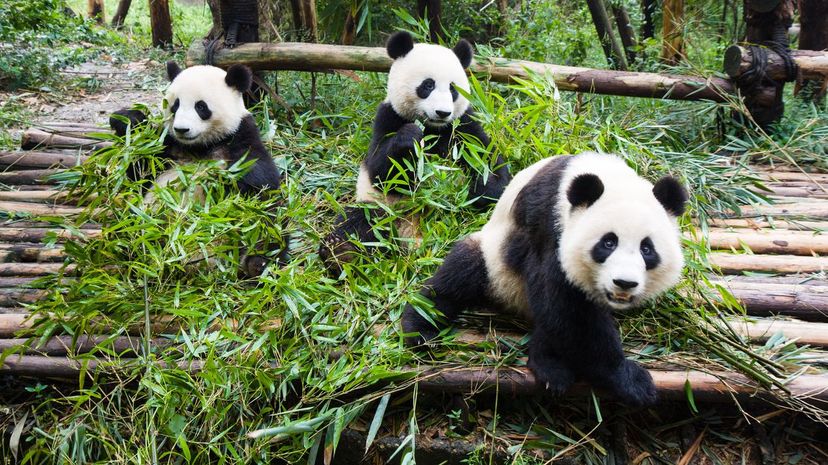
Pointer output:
x,y
773,259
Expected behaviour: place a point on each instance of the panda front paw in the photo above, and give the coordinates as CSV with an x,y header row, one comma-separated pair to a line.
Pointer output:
x,y
408,136
551,375
120,120
418,330
634,385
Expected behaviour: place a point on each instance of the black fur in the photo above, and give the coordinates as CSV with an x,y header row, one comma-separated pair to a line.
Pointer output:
x,y
263,176
354,226
203,110
464,52
425,88
172,70
671,194
648,251
584,190
399,44
604,247
572,337
239,77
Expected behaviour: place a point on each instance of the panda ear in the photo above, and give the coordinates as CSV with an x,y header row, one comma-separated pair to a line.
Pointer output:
x,y
172,70
399,44
464,52
671,194
239,77
584,190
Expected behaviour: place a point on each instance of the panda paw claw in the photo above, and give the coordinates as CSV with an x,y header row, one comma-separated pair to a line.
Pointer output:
x,y
553,377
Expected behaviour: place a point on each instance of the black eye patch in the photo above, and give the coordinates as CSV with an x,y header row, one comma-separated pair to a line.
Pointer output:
x,y
425,88
203,110
454,93
604,247
648,252
174,107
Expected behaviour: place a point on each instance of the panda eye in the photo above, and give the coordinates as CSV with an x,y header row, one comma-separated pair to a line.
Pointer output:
x,y
174,107
200,105
646,250
454,93
428,84
609,241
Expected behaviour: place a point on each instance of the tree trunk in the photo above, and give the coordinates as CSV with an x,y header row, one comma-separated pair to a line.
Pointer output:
x,y
121,13
432,10
95,9
309,16
672,32
612,50
625,31
349,29
813,35
648,9
160,23
215,13
323,57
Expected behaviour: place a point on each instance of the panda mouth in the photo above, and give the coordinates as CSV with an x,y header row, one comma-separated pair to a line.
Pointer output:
x,y
620,299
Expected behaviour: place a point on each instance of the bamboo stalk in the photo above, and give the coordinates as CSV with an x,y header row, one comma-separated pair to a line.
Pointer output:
x,y
38,209
519,381
323,57
29,160
36,138
35,176
790,264
39,234
770,242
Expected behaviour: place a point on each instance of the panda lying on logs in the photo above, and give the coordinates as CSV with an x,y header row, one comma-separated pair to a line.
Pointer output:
x,y
422,87
206,119
572,239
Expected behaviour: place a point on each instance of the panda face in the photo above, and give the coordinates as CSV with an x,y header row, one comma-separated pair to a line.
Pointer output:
x,y
424,78
620,243
204,103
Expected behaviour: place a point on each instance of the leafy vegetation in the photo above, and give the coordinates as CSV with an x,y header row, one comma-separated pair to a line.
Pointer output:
x,y
297,356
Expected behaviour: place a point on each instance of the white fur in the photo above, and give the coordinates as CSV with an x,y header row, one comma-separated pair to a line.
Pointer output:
x,y
627,207
422,62
203,83
407,227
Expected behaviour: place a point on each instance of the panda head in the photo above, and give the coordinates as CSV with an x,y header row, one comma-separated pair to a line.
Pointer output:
x,y
424,78
620,241
204,103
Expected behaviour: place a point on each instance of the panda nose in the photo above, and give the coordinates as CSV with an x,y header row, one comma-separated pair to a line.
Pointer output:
x,y
626,285
443,114
182,130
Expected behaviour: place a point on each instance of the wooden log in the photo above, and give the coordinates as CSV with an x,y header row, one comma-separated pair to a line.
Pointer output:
x,y
39,234
817,179
47,125
612,51
12,325
809,303
22,283
813,210
30,160
672,32
813,15
38,209
760,330
771,242
810,192
35,269
64,345
519,381
32,253
65,368
160,23
762,223
323,57
10,297
44,196
36,138
790,264
16,178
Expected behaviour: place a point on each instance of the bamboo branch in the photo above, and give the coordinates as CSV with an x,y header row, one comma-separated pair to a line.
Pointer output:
x,y
322,57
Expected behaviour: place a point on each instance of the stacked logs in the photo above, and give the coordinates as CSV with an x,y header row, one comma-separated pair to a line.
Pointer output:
x,y
782,238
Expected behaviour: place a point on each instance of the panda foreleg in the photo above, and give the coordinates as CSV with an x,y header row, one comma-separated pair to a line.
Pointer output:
x,y
461,282
354,225
135,117
388,149
486,192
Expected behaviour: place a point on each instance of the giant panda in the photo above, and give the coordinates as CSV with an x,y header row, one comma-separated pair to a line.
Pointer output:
x,y
206,119
422,88
572,239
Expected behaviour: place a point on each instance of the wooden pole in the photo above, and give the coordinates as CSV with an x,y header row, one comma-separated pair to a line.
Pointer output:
x,y
10,234
812,64
34,160
788,264
121,13
160,23
36,138
672,32
625,31
25,177
770,242
323,57
612,50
